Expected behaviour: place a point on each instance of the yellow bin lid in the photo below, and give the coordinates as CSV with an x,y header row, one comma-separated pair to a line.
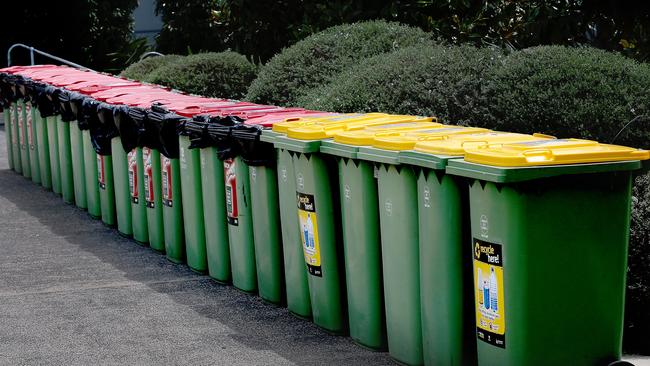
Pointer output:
x,y
406,141
457,145
553,152
368,134
284,126
319,131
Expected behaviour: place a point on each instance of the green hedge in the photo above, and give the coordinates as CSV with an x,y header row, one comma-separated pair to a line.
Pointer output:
x,y
141,69
314,60
569,92
223,74
425,80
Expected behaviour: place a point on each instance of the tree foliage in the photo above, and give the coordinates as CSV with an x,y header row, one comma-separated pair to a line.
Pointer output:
x,y
94,33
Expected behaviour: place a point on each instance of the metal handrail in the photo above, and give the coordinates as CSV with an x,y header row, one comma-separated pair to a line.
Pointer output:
x,y
33,50
149,54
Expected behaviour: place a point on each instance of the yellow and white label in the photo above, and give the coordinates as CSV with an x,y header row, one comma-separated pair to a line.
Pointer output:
x,y
489,293
309,233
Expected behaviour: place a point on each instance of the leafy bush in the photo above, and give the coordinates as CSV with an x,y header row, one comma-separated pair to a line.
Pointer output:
x,y
637,302
314,60
569,92
141,69
432,80
223,74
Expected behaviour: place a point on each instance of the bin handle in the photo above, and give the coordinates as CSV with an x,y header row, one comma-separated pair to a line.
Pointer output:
x,y
538,155
543,135
478,142
433,138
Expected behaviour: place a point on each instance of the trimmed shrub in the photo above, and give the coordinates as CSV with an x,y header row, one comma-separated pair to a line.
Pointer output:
x,y
314,60
141,69
440,81
569,92
223,74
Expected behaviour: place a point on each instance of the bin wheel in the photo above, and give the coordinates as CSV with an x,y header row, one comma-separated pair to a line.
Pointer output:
x,y
621,363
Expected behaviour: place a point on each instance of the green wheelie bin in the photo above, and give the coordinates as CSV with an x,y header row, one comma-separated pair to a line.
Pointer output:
x,y
360,224
295,271
42,137
52,132
113,172
161,126
445,276
6,117
398,222
76,149
317,206
15,139
65,160
29,114
549,233
23,137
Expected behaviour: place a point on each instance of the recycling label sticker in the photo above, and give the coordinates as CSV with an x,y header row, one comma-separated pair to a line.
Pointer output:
x,y
167,192
12,117
309,233
101,172
133,175
230,176
489,293
148,177
30,132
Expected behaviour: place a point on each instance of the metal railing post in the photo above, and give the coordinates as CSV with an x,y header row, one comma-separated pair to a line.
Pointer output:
x,y
33,50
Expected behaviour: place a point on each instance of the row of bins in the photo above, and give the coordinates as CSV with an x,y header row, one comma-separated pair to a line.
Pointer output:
x,y
408,234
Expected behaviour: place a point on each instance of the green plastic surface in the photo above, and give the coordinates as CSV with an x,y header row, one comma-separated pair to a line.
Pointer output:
x,y
6,117
53,133
90,176
106,189
121,185
563,243
23,135
362,248
42,138
295,271
398,215
214,212
242,247
267,232
78,166
154,208
190,174
172,209
65,161
316,176
15,137
138,204
32,142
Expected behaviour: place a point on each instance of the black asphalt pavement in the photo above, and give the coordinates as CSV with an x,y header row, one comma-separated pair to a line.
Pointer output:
x,y
74,292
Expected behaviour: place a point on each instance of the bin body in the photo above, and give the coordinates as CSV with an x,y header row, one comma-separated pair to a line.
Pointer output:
x,y
78,166
397,192
320,238
152,197
240,225
362,249
214,211
136,194
32,142
23,136
121,186
295,271
446,279
43,140
65,161
549,256
267,233
91,177
172,209
6,117
55,163
15,137
193,224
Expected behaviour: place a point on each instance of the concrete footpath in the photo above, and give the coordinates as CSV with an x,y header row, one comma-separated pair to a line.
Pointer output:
x,y
74,292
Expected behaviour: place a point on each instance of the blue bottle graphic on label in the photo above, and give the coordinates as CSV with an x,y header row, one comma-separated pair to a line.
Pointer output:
x,y
486,294
494,297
